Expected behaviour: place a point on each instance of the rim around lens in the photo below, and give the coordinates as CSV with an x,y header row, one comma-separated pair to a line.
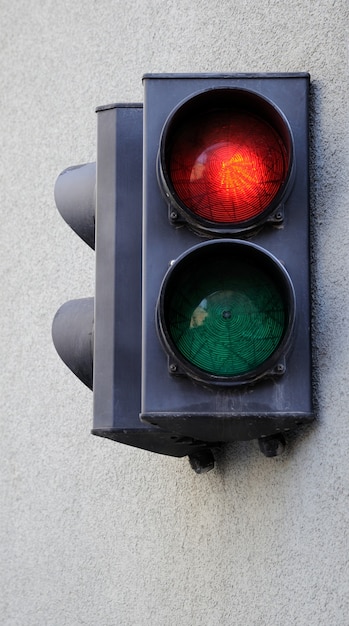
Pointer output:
x,y
225,160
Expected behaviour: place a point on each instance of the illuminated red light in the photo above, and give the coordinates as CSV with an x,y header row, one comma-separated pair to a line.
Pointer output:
x,y
227,166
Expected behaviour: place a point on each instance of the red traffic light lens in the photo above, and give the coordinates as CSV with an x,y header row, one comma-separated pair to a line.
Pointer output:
x,y
228,167
226,158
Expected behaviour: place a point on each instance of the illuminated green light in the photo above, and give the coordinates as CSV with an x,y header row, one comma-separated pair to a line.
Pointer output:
x,y
224,312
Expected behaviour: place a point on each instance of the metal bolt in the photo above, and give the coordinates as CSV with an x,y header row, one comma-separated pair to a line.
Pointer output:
x,y
272,445
202,461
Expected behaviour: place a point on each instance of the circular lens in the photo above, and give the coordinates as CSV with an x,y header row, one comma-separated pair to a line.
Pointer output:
x,y
225,309
226,157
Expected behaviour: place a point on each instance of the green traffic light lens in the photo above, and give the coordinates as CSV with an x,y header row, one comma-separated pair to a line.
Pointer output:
x,y
225,310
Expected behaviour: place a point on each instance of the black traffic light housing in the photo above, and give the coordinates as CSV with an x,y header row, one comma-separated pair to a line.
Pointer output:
x,y
268,244
178,256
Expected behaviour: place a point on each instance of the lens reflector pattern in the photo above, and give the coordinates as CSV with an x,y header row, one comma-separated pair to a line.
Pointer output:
x,y
227,166
223,312
225,160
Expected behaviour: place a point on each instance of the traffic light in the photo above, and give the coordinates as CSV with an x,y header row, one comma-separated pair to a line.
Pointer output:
x,y
226,346
199,332
100,338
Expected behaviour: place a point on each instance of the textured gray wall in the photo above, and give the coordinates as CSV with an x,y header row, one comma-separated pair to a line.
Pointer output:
x,y
97,533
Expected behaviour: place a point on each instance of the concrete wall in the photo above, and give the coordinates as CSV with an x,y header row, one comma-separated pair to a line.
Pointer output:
x,y
96,533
